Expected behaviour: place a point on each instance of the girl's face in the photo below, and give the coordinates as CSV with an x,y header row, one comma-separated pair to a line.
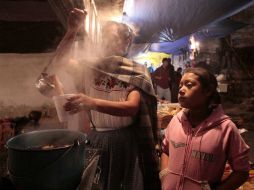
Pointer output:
x,y
191,94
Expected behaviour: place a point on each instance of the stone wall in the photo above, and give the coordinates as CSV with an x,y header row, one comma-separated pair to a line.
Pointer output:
x,y
235,63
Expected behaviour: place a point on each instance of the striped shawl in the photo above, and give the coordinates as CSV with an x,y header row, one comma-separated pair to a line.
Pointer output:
x,y
146,121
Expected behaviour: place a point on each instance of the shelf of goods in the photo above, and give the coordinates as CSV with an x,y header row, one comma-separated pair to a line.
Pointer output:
x,y
165,112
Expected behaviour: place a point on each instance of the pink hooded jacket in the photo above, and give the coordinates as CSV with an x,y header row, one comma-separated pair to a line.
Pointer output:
x,y
200,154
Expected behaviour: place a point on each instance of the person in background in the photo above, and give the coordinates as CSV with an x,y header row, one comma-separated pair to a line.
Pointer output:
x,y
200,139
175,85
187,65
171,71
150,68
178,76
162,80
122,107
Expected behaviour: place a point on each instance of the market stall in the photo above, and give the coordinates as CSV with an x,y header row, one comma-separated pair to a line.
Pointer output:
x,y
165,112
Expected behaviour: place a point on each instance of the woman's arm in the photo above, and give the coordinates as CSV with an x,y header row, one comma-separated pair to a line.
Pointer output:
x,y
48,78
62,54
129,107
233,181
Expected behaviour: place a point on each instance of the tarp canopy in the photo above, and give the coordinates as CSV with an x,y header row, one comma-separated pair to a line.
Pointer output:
x,y
179,17
219,29
215,30
177,47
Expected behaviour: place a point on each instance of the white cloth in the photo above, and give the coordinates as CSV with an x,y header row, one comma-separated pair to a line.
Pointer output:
x,y
164,93
108,88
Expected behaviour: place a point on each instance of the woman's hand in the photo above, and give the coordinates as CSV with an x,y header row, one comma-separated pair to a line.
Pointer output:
x,y
78,102
76,18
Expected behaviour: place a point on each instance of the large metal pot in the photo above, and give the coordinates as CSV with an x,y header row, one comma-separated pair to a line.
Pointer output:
x,y
47,159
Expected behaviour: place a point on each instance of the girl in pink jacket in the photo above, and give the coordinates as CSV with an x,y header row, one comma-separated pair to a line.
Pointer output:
x,y
200,139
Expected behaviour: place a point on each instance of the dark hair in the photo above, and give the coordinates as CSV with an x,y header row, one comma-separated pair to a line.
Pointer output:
x,y
179,69
207,81
164,59
169,60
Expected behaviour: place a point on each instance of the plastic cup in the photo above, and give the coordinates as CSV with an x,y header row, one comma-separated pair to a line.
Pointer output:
x,y
59,102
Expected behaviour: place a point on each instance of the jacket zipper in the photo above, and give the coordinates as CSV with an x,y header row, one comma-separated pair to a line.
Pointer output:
x,y
186,160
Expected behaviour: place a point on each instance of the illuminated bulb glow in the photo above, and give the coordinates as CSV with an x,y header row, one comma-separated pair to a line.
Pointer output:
x,y
194,47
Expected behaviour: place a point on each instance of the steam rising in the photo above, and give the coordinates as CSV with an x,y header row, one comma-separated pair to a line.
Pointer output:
x,y
84,49
111,10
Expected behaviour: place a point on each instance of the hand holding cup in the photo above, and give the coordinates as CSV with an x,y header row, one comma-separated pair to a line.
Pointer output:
x,y
78,102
